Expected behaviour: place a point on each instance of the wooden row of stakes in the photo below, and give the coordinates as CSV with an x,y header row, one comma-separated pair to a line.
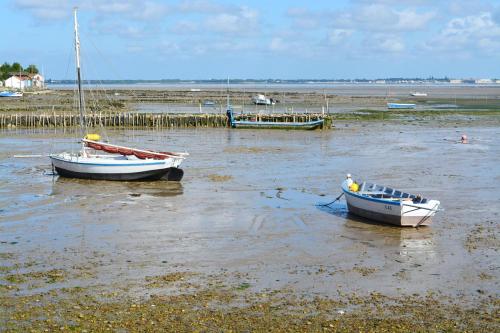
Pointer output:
x,y
151,120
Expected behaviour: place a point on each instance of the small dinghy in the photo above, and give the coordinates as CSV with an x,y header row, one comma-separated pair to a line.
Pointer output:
x,y
387,205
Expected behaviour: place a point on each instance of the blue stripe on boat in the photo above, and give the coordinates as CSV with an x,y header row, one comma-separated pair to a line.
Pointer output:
x,y
373,199
113,165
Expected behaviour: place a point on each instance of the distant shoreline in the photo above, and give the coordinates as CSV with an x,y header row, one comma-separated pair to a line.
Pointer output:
x,y
261,86
279,82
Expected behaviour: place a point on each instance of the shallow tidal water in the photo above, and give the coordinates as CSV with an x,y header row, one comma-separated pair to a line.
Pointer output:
x,y
247,210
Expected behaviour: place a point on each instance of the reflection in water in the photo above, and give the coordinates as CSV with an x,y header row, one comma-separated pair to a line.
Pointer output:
x,y
69,187
411,241
414,244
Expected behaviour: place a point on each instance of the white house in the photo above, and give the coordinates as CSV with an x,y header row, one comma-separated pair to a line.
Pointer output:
x,y
18,81
23,81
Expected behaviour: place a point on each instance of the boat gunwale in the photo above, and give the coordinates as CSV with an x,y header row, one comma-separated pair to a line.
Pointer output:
x,y
278,124
368,198
144,162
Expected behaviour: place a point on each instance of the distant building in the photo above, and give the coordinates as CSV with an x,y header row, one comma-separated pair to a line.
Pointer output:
x,y
456,81
19,81
380,81
23,81
38,81
484,81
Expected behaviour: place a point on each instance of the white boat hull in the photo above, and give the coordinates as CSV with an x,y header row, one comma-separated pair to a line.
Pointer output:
x,y
397,212
114,167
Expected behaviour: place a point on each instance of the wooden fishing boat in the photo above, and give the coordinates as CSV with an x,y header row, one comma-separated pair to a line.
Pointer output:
x,y
307,125
387,205
120,163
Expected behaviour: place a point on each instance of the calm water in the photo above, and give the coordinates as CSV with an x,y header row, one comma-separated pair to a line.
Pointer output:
x,y
247,205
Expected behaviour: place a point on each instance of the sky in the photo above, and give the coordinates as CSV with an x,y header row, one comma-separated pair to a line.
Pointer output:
x,y
257,39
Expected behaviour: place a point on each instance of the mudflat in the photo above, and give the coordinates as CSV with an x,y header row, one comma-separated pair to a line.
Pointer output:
x,y
300,98
241,245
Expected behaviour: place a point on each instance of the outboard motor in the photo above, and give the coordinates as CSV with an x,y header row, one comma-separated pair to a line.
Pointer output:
x,y
230,119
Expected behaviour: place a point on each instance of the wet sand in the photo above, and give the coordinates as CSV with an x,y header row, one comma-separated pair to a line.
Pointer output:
x,y
244,221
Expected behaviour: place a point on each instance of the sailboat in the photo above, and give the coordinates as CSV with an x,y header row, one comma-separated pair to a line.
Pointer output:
x,y
119,162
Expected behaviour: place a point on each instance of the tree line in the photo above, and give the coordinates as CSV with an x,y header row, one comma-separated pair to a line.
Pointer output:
x,y
6,70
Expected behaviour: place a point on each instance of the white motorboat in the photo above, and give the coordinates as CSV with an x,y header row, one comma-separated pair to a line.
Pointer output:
x,y
262,100
120,163
418,94
385,204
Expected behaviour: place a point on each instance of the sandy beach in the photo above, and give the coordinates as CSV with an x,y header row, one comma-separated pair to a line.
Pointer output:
x,y
240,244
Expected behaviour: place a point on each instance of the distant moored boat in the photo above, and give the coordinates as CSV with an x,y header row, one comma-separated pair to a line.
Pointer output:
x,y
400,105
11,94
262,100
418,94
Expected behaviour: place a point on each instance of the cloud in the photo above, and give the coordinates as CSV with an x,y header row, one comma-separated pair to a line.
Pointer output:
x,y
132,9
168,48
292,46
279,44
382,43
303,18
379,17
202,6
45,10
338,36
363,17
411,20
126,31
468,33
49,10
244,22
185,27
201,46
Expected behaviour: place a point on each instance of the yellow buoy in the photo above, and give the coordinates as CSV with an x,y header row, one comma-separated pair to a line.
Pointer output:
x,y
93,137
354,187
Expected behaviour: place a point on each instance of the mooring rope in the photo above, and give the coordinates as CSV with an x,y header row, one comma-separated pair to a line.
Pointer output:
x,y
328,204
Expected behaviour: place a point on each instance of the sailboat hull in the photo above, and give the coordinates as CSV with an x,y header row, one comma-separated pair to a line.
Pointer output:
x,y
145,175
115,168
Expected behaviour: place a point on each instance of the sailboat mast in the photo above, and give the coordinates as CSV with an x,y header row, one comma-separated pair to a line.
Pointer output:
x,y
79,77
227,92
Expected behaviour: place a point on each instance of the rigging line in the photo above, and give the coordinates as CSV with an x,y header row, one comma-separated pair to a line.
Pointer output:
x,y
112,68
100,84
95,94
